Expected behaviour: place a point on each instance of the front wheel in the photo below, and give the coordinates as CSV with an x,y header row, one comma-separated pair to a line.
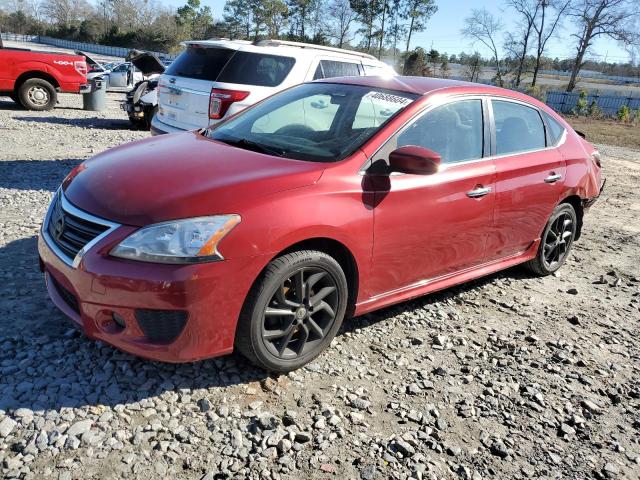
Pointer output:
x,y
556,241
293,311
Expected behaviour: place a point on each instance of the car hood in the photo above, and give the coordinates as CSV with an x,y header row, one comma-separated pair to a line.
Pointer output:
x,y
146,62
179,176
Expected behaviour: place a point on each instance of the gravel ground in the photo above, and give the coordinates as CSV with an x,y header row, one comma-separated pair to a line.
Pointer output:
x,y
510,376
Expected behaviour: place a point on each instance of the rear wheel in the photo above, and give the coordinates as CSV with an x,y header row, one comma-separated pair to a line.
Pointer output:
x,y
37,94
293,311
15,98
556,241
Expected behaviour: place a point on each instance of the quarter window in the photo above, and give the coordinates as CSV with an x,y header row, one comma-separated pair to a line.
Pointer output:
x,y
555,129
518,128
333,68
454,130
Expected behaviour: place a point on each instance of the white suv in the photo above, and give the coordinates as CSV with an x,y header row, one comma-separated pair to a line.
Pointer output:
x,y
215,78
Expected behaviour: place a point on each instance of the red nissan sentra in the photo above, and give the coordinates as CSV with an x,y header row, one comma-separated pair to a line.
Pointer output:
x,y
327,200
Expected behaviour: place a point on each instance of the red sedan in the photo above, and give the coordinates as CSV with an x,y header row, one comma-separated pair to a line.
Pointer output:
x,y
328,200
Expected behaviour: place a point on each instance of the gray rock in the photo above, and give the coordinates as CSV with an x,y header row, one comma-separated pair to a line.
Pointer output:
x,y
79,428
6,426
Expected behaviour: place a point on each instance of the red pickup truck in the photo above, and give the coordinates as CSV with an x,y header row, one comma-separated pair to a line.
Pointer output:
x,y
33,78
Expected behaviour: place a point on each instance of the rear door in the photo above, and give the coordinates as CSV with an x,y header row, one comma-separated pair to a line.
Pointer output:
x,y
529,177
118,77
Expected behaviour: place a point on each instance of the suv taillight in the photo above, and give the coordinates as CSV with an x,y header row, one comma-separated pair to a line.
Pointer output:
x,y
81,67
220,100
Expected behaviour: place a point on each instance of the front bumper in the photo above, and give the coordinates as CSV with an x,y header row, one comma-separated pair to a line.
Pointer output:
x,y
210,295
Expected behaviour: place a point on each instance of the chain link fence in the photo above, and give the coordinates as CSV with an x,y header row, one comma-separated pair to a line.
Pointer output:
x,y
566,102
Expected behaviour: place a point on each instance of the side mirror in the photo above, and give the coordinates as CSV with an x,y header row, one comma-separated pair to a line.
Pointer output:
x,y
415,160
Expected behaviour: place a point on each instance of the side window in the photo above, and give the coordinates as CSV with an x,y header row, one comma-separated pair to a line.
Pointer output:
x,y
518,128
454,130
248,68
333,68
555,129
374,70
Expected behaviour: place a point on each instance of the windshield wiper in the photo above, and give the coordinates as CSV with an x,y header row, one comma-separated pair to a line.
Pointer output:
x,y
251,145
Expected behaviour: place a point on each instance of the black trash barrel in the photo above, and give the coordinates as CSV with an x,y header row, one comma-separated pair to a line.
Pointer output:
x,y
96,99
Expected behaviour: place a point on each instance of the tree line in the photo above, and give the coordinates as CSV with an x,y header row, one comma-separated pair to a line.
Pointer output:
x,y
384,28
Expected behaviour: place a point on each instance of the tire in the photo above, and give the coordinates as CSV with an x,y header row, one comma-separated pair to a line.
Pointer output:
x,y
37,94
148,117
15,98
556,241
284,342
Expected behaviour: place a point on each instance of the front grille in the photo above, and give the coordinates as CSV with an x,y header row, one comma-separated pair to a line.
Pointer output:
x,y
161,326
70,233
68,297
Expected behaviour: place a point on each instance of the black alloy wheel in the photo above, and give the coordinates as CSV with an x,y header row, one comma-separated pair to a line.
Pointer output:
x,y
293,311
556,241
301,312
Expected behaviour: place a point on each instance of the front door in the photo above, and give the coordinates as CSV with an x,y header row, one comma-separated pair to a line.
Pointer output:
x,y
529,178
429,226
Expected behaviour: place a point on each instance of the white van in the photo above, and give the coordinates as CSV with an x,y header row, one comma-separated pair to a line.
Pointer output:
x,y
212,79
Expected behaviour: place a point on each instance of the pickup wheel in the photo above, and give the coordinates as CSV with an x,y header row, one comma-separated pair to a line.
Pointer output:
x,y
37,94
293,311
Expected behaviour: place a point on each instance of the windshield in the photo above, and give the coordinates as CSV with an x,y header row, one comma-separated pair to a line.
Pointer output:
x,y
322,122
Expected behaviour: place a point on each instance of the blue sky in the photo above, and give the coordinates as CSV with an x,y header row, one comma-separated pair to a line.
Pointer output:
x,y
443,30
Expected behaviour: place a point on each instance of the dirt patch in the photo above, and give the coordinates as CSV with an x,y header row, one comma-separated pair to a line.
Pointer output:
x,y
606,131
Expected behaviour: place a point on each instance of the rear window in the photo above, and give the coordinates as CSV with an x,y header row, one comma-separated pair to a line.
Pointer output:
x,y
200,63
247,68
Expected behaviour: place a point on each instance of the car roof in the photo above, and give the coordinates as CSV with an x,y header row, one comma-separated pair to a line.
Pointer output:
x,y
295,49
427,85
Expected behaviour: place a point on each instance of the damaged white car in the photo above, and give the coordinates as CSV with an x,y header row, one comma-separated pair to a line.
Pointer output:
x,y
141,103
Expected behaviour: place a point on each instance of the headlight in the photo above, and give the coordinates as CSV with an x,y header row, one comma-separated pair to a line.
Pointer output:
x,y
192,240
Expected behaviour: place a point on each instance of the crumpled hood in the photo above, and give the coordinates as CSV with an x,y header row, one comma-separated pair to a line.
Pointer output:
x,y
179,176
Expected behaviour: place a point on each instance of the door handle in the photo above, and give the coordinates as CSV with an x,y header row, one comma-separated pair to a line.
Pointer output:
x,y
479,192
553,178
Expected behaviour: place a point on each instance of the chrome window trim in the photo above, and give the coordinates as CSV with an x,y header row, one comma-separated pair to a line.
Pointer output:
x,y
76,212
471,96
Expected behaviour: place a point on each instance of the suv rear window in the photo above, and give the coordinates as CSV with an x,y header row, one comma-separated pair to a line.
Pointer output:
x,y
248,68
200,63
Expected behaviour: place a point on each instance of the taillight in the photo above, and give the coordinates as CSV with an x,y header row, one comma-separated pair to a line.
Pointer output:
x,y
220,100
81,67
595,156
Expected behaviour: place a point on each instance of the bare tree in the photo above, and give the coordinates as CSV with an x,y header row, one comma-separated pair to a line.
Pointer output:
x,y
341,18
596,18
551,13
481,26
66,12
520,42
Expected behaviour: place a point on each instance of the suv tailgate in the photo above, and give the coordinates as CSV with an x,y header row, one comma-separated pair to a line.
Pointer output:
x,y
186,85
